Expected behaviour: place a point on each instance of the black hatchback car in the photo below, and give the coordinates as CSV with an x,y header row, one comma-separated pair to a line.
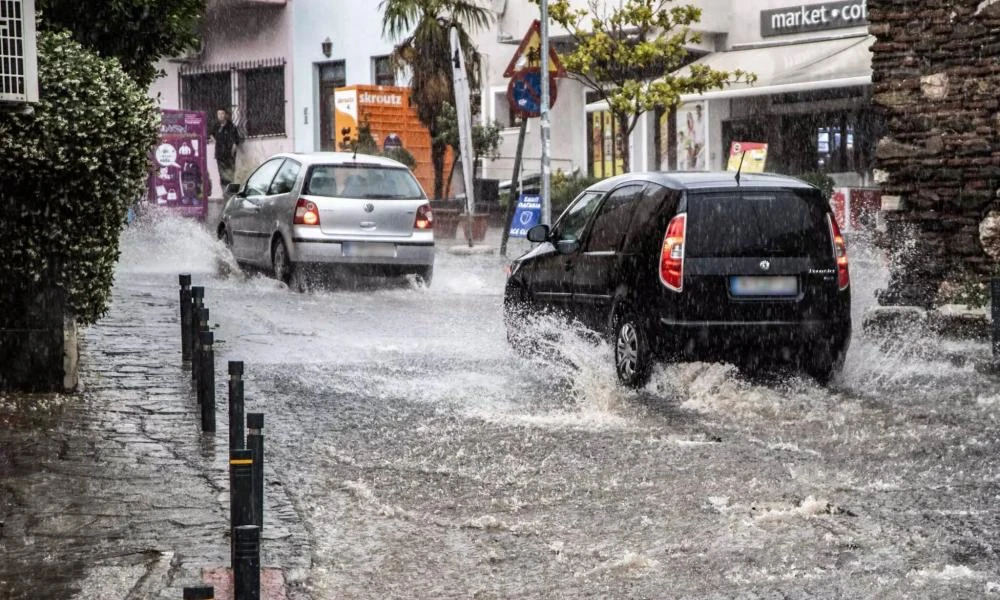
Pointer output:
x,y
694,266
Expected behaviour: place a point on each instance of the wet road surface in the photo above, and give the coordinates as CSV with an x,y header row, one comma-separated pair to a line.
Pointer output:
x,y
422,459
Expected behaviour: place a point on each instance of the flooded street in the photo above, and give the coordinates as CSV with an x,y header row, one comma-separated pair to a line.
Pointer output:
x,y
426,460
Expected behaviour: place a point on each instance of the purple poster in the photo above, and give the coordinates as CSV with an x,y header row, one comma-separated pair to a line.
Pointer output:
x,y
179,179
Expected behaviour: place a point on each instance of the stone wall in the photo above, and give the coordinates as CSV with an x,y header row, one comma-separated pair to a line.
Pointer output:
x,y
38,343
936,74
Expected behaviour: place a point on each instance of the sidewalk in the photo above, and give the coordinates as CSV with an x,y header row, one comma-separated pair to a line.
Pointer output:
x,y
114,492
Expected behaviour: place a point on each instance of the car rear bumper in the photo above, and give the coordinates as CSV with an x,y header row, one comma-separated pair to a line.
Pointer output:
x,y
321,249
729,339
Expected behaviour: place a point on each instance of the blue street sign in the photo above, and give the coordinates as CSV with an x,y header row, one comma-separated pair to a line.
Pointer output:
x,y
527,215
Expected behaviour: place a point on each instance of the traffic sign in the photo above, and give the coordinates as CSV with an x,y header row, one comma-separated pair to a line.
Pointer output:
x,y
527,215
531,50
524,92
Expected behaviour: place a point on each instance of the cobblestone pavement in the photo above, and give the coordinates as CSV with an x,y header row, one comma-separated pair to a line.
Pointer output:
x,y
114,492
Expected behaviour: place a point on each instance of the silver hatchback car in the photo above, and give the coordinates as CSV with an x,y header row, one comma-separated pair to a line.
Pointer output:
x,y
337,210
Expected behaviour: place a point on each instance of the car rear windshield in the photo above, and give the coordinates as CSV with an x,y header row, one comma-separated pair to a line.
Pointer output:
x,y
373,182
757,223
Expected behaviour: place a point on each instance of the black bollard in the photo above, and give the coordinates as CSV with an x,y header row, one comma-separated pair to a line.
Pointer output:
x,y
255,442
236,440
205,592
197,303
240,493
206,381
185,293
995,313
201,324
246,562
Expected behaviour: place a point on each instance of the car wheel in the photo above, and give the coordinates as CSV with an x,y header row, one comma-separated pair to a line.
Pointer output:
x,y
824,363
426,275
632,353
516,305
282,265
226,237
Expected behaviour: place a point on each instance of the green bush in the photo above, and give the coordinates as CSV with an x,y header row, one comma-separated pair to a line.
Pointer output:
x,y
821,180
68,173
565,188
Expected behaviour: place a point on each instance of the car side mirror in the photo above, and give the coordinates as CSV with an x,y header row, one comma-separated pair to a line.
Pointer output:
x,y
538,233
567,246
233,188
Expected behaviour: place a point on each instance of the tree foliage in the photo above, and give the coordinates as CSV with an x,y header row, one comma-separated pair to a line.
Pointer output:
x,y
485,138
631,55
68,173
136,32
423,28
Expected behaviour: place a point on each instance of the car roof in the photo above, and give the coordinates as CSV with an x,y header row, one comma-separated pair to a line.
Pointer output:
x,y
339,158
692,180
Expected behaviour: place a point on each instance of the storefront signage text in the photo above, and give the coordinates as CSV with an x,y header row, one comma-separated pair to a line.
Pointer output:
x,y
813,17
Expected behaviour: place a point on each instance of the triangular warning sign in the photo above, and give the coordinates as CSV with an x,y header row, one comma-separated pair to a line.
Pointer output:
x,y
531,50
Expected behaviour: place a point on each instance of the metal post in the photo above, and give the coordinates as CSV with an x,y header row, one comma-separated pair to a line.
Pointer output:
x,y
240,493
236,440
205,592
201,324
185,294
255,442
545,122
246,563
995,313
197,302
206,381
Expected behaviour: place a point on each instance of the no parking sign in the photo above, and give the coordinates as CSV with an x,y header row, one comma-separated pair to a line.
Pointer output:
x,y
527,215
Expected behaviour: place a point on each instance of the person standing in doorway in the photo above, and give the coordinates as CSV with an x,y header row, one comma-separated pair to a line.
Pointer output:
x,y
227,138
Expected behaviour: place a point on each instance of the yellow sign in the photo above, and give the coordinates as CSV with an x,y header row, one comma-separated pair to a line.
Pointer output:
x,y
531,50
752,154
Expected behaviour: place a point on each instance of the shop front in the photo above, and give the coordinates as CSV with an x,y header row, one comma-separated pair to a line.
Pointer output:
x,y
810,107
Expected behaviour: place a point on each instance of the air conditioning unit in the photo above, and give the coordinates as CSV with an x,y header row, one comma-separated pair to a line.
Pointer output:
x,y
18,52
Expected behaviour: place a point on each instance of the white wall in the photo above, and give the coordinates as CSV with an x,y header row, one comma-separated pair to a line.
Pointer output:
x,y
355,30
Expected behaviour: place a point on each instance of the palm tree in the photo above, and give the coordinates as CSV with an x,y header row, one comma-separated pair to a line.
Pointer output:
x,y
425,53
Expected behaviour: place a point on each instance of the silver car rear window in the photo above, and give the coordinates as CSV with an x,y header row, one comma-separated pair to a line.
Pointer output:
x,y
363,181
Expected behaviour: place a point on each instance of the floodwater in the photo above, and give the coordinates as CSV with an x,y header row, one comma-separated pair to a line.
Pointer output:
x,y
426,460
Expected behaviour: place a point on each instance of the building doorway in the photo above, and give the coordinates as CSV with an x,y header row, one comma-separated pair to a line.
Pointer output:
x,y
332,75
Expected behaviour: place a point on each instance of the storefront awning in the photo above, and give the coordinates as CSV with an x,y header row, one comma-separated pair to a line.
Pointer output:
x,y
793,68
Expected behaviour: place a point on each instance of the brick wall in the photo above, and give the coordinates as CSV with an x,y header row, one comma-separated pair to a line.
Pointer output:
x,y
936,72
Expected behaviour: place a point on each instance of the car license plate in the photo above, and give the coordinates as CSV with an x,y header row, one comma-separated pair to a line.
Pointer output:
x,y
369,250
770,285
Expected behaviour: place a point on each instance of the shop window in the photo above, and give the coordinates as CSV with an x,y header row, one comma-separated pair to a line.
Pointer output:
x,y
382,71
605,146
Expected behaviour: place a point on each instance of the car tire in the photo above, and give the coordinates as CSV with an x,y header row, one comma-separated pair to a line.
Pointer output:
x,y
516,305
824,363
632,354
281,265
426,275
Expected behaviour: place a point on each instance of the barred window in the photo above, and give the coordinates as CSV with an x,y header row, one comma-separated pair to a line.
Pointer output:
x,y
207,92
383,73
253,92
264,91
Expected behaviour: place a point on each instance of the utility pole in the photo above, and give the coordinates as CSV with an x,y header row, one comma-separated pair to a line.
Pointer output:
x,y
545,123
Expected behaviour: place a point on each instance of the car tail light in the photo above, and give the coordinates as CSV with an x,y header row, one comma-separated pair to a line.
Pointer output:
x,y
840,254
306,213
425,218
672,254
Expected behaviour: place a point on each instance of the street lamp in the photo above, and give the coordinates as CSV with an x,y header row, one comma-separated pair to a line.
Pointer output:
x,y
327,47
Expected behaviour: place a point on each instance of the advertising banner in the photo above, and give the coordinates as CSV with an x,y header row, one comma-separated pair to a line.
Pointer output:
x,y
692,133
179,177
752,154
527,214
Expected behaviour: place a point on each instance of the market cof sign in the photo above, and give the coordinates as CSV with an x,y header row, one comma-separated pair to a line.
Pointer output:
x,y
813,17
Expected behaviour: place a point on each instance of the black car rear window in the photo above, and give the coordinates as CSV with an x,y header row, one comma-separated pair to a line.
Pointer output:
x,y
757,223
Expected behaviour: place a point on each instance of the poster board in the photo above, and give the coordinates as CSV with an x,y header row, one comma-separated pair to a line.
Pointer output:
x,y
753,161
178,179
692,136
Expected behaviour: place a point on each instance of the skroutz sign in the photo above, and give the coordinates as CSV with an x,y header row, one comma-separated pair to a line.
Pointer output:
x,y
813,17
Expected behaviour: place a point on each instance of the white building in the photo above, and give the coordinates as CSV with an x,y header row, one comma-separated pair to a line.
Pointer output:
x,y
276,62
